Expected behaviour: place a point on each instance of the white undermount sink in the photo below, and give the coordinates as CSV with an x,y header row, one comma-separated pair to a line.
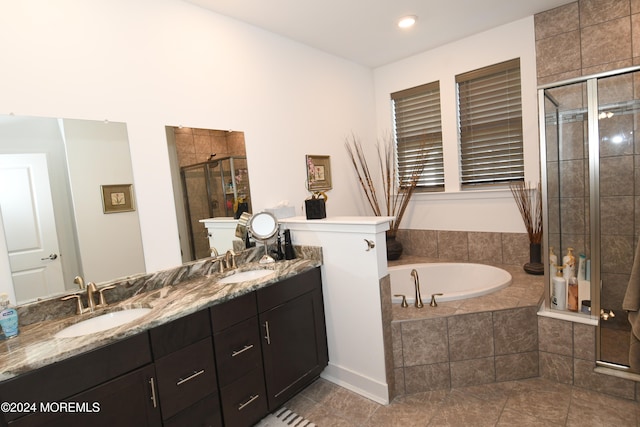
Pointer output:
x,y
102,322
244,276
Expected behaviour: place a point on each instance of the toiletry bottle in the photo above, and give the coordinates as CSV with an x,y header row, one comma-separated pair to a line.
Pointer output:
x,y
572,300
582,267
559,291
288,247
553,263
568,265
8,317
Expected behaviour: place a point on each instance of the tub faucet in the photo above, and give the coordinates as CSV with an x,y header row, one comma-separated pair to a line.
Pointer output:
x,y
418,300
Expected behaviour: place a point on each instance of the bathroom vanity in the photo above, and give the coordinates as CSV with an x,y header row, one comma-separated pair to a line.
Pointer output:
x,y
240,355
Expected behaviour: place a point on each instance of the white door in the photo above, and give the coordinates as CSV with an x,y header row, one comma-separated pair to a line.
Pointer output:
x,y
29,224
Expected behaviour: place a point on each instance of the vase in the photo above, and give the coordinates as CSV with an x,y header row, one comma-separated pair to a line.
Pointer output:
x,y
534,266
394,248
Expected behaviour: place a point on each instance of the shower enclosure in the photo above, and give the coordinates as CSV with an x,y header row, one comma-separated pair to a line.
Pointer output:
x,y
591,195
217,188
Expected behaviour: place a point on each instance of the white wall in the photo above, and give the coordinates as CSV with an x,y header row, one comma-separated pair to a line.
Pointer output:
x,y
152,63
456,209
110,245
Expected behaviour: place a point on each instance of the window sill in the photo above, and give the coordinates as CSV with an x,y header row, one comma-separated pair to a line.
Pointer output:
x,y
479,194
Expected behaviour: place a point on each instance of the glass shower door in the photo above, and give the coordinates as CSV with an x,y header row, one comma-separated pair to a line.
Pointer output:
x,y
591,196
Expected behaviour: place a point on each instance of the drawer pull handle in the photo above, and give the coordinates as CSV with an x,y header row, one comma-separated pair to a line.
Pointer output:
x,y
190,377
153,392
268,336
251,399
237,352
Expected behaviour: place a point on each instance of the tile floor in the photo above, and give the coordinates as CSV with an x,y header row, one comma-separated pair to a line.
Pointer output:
x,y
531,402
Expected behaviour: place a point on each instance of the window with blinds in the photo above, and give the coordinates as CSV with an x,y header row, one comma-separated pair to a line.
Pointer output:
x,y
418,136
490,125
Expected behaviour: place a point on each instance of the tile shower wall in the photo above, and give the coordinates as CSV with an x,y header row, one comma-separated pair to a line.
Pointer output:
x,y
586,37
577,39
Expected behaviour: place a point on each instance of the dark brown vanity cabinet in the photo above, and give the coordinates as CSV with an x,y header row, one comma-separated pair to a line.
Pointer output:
x,y
186,372
239,360
228,365
118,378
269,344
294,345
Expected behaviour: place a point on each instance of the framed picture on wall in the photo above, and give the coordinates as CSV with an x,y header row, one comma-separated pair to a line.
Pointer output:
x,y
117,198
318,173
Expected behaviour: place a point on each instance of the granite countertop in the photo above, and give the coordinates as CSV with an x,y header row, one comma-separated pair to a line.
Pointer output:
x,y
36,345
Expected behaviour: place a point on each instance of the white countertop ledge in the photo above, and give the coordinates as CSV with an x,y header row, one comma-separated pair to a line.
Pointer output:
x,y
342,224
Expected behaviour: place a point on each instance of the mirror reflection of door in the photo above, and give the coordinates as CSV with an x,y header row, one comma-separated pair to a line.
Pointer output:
x,y
210,178
29,223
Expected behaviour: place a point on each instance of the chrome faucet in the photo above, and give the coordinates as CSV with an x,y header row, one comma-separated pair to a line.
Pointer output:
x,y
416,281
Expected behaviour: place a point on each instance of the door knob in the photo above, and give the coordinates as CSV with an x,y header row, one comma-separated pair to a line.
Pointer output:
x,y
50,257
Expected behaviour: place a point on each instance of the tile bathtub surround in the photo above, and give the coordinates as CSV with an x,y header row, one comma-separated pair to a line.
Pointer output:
x,y
466,246
482,340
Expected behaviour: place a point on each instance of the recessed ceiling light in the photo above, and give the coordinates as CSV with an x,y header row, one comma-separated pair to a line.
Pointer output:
x,y
407,21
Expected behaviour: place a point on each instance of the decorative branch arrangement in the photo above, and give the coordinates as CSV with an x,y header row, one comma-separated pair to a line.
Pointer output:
x,y
529,201
395,199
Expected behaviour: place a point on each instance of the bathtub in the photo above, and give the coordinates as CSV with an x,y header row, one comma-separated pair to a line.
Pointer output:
x,y
454,281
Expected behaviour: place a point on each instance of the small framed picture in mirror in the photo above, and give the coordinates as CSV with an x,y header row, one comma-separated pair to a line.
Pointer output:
x,y
318,173
117,198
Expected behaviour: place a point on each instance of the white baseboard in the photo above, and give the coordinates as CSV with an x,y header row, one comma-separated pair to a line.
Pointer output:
x,y
358,383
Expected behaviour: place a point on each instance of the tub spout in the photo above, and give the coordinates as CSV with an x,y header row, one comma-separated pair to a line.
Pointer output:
x,y
418,300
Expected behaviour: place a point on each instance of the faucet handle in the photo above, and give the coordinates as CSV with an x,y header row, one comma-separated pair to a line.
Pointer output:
x,y
79,308
103,302
78,280
403,304
433,302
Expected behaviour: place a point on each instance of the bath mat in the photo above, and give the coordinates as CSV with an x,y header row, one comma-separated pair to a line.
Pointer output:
x,y
284,418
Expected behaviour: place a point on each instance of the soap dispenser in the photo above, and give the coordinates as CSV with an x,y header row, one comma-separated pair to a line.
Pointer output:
x,y
8,317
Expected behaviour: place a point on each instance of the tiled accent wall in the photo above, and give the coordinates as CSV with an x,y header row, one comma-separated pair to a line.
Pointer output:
x,y
587,37
482,247
464,350
196,145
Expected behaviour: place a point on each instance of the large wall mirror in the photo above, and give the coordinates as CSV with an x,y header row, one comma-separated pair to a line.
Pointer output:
x,y
67,204
210,179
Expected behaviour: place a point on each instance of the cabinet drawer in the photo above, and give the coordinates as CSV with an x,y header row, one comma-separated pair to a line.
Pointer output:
x,y
180,333
244,402
205,413
234,311
237,351
288,289
186,376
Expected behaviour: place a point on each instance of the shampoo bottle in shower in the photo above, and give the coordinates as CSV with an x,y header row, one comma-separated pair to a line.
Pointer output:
x,y
572,300
559,291
568,265
553,263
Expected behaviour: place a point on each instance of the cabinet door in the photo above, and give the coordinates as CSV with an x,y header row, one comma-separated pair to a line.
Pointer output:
x,y
294,346
129,400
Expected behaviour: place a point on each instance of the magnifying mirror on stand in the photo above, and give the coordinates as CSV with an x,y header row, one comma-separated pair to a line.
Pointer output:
x,y
263,226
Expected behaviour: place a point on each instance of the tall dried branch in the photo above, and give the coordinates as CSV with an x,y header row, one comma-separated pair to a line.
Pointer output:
x,y
396,199
529,202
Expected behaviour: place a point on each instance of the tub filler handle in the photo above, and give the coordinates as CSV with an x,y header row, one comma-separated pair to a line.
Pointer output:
x,y
403,304
433,302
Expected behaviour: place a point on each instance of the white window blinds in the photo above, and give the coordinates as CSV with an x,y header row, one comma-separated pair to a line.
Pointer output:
x,y
490,125
418,136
